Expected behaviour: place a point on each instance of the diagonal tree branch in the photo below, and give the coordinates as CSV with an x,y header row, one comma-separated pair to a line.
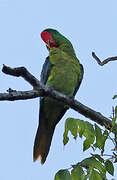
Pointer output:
x,y
41,90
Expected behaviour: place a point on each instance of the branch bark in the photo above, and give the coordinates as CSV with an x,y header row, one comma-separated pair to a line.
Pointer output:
x,y
41,90
101,63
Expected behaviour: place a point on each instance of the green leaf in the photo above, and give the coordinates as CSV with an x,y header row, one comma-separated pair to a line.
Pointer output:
x,y
81,127
116,111
109,167
84,128
114,120
72,125
93,163
115,117
97,156
95,176
63,175
106,133
100,138
115,96
65,137
89,133
77,173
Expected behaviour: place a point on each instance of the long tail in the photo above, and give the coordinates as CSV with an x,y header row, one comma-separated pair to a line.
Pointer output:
x,y
42,143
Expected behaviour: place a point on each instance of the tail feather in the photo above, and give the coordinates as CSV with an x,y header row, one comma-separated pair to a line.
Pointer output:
x,y
42,143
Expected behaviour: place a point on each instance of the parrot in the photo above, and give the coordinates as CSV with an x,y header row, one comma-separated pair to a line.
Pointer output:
x,y
62,72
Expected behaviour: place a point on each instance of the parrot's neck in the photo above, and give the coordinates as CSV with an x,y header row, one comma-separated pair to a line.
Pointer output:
x,y
68,48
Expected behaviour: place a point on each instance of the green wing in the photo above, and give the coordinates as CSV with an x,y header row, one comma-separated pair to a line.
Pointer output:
x,y
79,82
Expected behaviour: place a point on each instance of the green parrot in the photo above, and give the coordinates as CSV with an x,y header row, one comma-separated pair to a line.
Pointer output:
x,y
63,72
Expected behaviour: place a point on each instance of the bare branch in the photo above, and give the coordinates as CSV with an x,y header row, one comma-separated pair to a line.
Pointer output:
x,y
42,90
21,72
101,63
19,95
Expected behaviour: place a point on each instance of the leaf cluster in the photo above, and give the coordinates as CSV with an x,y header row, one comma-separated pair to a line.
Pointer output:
x,y
95,166
94,137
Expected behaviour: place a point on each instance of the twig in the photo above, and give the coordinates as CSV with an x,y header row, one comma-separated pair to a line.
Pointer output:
x,y
21,72
42,90
105,61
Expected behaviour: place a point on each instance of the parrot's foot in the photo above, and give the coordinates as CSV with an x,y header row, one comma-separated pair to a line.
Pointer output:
x,y
51,88
71,97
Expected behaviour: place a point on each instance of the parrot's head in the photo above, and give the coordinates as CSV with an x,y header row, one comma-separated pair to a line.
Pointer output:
x,y
53,38
49,37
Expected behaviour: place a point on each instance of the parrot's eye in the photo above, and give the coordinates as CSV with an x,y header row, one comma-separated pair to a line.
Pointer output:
x,y
48,39
50,42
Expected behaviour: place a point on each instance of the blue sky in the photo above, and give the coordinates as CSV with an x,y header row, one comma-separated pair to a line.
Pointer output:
x,y
90,26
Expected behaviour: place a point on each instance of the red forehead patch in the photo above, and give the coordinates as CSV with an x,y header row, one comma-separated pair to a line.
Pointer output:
x,y
48,39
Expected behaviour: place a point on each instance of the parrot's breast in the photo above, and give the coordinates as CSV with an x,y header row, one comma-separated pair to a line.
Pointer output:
x,y
65,72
